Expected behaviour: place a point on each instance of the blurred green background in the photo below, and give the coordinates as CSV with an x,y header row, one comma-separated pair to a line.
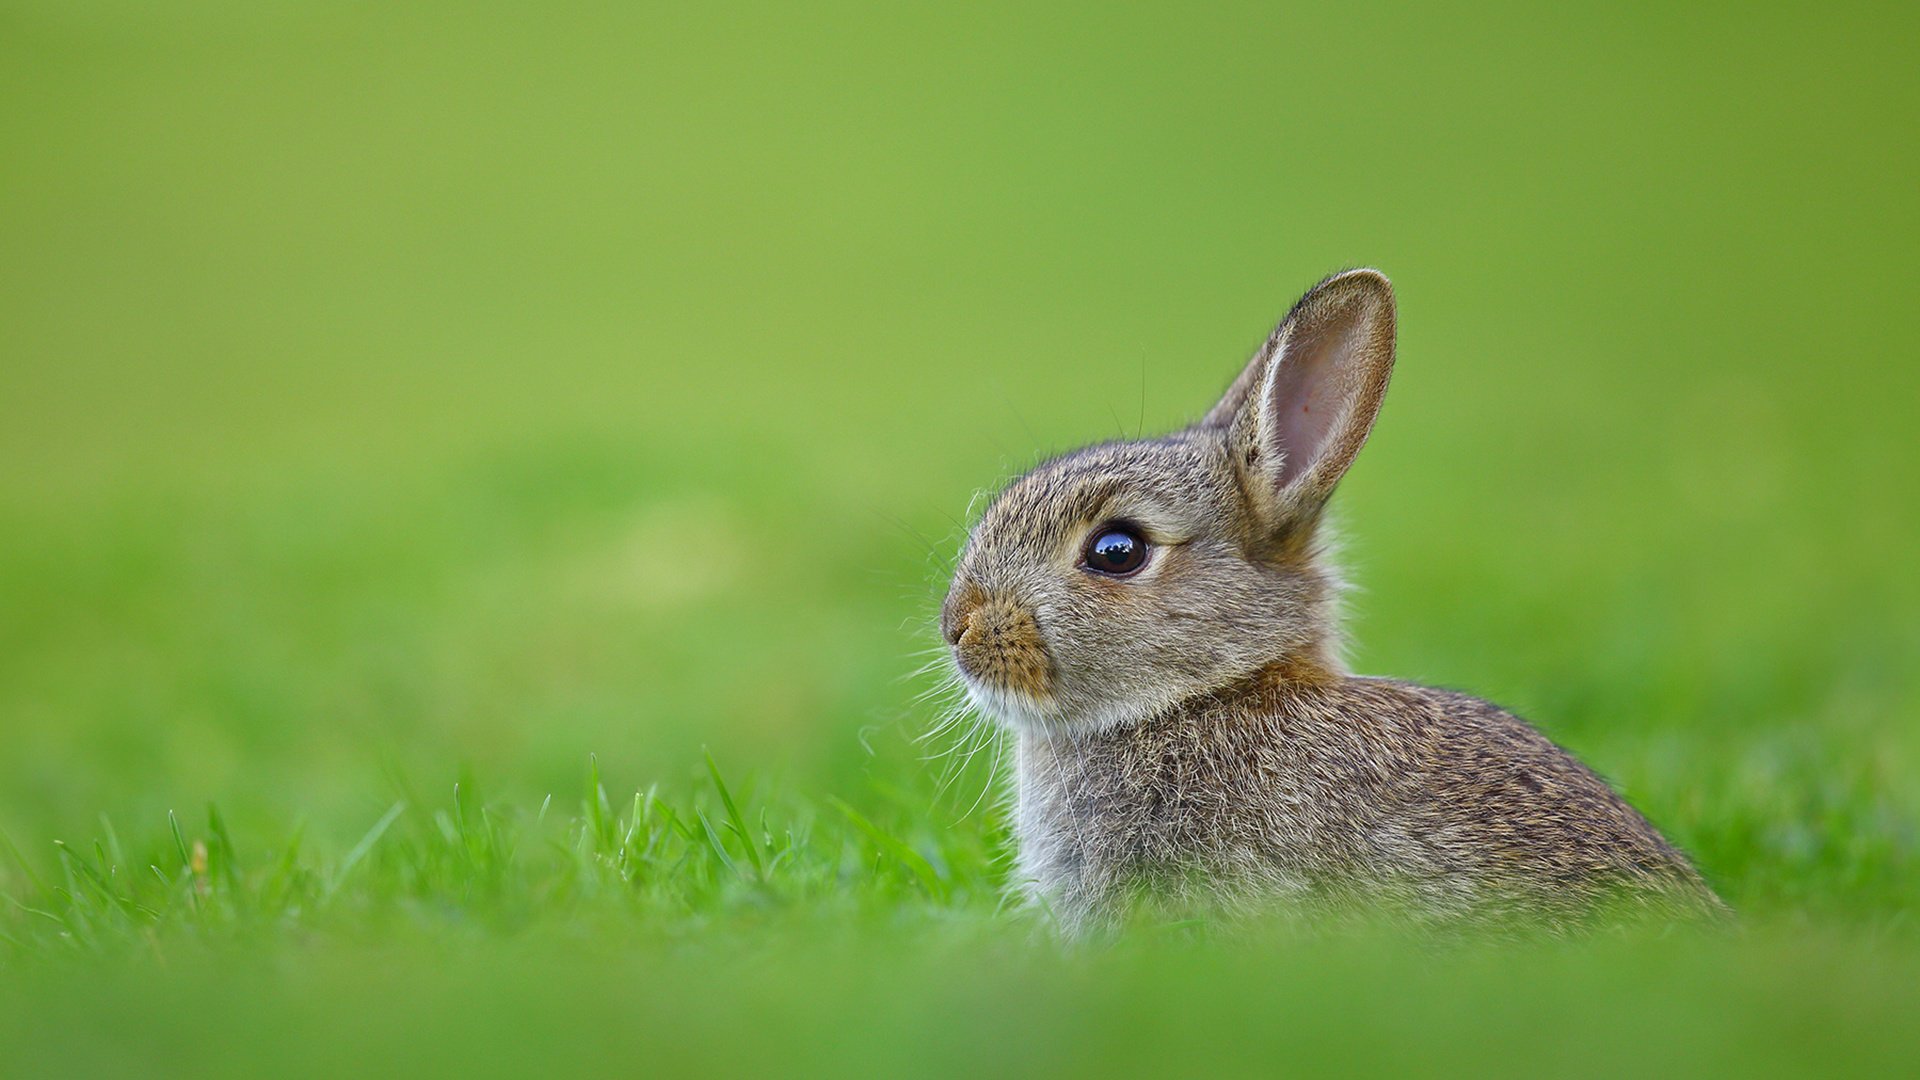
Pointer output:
x,y
392,390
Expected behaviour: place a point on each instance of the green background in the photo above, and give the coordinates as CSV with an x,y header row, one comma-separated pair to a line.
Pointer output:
x,y
397,393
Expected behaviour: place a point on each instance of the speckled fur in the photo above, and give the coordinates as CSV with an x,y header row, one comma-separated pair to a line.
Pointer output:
x,y
1188,737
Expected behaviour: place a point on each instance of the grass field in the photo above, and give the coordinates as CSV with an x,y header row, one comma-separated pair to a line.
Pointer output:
x,y
474,481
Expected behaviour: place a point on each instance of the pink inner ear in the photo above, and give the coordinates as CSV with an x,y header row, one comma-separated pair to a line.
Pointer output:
x,y
1309,395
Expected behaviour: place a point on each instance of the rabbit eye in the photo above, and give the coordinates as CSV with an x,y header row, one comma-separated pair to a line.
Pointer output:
x,y
1116,550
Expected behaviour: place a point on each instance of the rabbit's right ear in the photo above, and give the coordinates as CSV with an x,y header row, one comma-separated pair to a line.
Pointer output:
x,y
1303,407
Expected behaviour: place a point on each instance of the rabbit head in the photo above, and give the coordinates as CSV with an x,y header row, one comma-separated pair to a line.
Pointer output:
x,y
1111,583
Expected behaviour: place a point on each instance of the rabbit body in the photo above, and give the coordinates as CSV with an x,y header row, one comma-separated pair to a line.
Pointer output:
x,y
1157,622
1327,792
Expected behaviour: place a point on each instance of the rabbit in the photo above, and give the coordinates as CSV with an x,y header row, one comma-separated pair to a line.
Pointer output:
x,y
1155,624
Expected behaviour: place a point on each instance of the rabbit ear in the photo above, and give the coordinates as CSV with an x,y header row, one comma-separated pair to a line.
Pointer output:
x,y
1303,407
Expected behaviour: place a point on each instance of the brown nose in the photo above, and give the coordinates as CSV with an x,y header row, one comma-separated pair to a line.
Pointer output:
x,y
997,641
960,606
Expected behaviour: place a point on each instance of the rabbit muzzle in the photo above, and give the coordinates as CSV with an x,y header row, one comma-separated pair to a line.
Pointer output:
x,y
996,642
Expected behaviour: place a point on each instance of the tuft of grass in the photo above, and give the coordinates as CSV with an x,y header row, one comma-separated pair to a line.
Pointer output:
x,y
476,936
658,859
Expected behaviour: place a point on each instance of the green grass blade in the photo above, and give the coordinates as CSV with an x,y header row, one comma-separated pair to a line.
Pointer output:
x,y
916,864
733,815
179,840
714,842
360,850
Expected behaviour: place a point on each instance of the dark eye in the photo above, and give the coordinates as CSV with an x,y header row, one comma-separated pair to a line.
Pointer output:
x,y
1117,550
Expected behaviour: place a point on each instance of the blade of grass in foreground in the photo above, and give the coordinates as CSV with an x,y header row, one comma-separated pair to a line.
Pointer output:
x,y
714,842
734,819
915,863
359,851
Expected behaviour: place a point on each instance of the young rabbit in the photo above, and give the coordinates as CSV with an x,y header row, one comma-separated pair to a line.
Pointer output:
x,y
1157,625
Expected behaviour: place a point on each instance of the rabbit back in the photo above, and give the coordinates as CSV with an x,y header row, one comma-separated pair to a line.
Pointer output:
x,y
1338,792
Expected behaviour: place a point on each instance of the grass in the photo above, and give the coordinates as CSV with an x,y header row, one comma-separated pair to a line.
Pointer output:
x,y
719,932
465,861
506,464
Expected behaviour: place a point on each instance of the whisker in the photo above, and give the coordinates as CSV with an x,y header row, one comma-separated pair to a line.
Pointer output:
x,y
954,763
992,780
978,738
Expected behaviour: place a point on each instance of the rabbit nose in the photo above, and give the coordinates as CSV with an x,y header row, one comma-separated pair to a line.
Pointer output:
x,y
956,615
998,642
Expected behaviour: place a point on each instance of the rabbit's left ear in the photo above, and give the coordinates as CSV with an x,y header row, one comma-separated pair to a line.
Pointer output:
x,y
1301,410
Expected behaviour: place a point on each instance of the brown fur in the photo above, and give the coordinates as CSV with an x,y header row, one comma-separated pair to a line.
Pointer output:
x,y
999,641
1189,734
